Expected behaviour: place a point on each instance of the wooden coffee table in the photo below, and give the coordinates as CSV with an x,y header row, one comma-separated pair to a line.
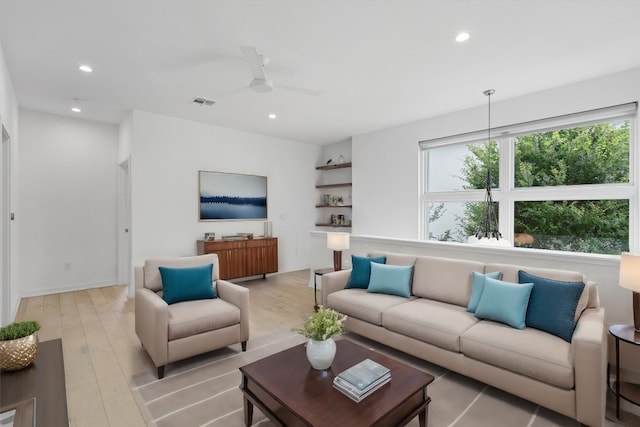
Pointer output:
x,y
291,393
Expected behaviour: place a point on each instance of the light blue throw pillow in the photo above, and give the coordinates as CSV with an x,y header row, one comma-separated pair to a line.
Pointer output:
x,y
187,283
390,279
552,306
504,302
477,286
361,270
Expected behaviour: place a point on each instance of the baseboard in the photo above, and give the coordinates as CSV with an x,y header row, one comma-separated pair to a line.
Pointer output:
x,y
66,288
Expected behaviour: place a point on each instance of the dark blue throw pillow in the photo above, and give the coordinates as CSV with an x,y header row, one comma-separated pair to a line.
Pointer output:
x,y
361,270
552,305
187,283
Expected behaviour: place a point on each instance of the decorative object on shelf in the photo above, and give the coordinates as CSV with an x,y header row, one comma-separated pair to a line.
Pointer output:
x,y
333,219
630,279
320,328
337,200
337,242
341,159
341,220
231,196
208,237
329,161
326,199
488,233
18,345
267,229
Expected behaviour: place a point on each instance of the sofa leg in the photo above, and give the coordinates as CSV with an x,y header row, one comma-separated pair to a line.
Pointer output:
x,y
244,345
161,372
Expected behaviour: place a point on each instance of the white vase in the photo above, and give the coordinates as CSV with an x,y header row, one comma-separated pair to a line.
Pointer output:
x,y
321,353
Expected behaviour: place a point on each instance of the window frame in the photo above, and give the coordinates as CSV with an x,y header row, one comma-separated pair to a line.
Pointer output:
x,y
506,194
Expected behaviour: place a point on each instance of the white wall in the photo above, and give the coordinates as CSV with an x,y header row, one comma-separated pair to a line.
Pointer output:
x,y
166,155
9,119
67,198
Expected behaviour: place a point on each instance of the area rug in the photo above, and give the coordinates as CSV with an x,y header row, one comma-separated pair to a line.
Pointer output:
x,y
203,391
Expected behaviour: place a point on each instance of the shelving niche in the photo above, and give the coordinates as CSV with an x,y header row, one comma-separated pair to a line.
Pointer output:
x,y
334,180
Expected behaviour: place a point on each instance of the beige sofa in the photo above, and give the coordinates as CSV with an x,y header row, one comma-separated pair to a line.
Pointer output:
x,y
434,325
171,332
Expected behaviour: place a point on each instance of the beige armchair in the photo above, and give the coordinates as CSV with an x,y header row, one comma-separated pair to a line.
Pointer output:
x,y
171,332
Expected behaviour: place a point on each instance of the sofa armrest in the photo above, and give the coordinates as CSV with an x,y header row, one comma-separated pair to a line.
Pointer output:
x,y
590,364
152,325
334,281
238,296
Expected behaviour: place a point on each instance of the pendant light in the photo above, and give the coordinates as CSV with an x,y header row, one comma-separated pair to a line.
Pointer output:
x,y
488,233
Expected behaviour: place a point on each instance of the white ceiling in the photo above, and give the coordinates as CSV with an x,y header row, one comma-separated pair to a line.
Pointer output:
x,y
377,63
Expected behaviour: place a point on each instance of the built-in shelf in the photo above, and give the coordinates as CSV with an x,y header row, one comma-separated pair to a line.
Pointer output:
x,y
328,213
342,184
336,166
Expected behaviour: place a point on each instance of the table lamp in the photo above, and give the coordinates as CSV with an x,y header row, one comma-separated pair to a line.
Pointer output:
x,y
630,279
338,242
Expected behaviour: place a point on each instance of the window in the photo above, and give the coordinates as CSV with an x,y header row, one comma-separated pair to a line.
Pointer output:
x,y
564,183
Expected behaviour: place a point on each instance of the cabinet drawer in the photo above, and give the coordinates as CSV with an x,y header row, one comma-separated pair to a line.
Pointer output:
x,y
261,243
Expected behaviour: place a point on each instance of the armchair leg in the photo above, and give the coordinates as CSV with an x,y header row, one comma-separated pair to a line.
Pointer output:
x,y
161,372
244,345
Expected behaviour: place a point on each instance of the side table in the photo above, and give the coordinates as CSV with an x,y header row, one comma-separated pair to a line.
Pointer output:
x,y
627,334
319,272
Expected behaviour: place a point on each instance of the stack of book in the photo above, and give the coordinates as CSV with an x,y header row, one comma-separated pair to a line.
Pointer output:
x,y
362,379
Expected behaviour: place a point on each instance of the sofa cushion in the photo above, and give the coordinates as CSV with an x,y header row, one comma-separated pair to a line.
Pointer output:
x,y
477,286
391,279
552,305
362,305
152,279
443,279
530,352
187,283
194,317
361,270
510,274
441,327
504,302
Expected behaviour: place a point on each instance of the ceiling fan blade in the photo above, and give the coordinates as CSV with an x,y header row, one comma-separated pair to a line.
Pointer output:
x,y
255,62
299,90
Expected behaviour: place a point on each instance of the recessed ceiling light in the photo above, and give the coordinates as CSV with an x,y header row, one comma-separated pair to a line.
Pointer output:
x,y
272,116
85,68
76,110
462,37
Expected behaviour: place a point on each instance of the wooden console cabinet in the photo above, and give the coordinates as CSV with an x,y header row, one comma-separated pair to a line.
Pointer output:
x,y
242,258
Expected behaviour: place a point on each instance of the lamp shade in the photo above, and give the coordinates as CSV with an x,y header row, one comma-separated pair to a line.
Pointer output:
x,y
338,241
630,271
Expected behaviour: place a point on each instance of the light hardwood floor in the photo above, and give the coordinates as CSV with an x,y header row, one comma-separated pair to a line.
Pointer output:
x,y
102,352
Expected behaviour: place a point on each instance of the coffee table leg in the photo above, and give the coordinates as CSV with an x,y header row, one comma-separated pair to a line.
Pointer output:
x,y
424,415
248,412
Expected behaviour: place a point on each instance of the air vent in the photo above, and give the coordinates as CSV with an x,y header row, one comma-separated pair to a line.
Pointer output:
x,y
203,102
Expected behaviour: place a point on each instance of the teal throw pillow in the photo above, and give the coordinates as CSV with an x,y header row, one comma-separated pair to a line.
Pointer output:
x,y
391,279
553,303
187,283
361,270
477,286
504,302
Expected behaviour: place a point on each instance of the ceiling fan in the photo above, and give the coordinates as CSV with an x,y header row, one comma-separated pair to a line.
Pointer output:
x,y
260,82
